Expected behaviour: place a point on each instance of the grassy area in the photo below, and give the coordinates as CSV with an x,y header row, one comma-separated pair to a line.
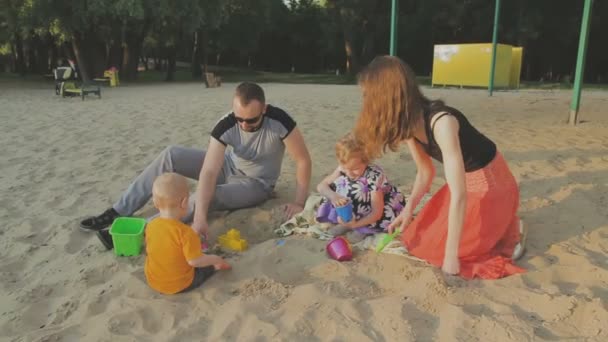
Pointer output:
x,y
227,75
152,76
7,76
545,85
523,85
238,75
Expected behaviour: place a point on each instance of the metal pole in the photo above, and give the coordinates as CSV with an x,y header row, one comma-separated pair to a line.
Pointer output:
x,y
580,62
394,16
494,37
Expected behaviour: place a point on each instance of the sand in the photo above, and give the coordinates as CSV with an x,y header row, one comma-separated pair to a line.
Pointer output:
x,y
63,159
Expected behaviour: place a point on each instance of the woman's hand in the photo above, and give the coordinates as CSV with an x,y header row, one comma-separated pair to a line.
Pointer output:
x,y
401,222
451,265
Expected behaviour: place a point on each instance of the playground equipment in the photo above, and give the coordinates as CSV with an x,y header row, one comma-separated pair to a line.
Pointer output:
x,y
469,65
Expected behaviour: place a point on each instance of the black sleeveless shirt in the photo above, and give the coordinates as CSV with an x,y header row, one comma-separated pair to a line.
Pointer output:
x,y
477,150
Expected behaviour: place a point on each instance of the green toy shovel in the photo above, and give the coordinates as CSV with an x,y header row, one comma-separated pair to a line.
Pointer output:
x,y
386,240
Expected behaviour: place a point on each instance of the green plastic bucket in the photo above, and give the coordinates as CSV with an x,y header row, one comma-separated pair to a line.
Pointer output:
x,y
127,235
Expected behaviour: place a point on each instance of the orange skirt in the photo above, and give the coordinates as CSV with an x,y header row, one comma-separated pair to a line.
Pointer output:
x,y
491,225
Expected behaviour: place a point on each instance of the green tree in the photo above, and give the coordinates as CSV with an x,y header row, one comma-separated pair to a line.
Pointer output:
x,y
362,23
242,25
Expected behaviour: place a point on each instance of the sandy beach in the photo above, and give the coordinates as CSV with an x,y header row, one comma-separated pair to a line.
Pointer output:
x,y
64,159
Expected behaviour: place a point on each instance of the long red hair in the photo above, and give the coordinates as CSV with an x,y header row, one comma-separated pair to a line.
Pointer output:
x,y
393,105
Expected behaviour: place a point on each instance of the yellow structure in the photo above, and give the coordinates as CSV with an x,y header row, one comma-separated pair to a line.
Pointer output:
x,y
112,74
232,240
469,65
516,56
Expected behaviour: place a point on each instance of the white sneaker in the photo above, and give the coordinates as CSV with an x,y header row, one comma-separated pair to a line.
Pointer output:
x,y
520,248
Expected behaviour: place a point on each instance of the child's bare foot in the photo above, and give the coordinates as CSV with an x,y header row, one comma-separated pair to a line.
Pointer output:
x,y
222,266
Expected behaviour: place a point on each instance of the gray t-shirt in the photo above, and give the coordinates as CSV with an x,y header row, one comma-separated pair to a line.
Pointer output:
x,y
256,154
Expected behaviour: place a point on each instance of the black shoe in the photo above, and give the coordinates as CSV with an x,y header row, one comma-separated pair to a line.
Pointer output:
x,y
105,238
99,222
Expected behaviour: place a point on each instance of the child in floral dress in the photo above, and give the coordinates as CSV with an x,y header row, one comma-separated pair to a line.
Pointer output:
x,y
376,203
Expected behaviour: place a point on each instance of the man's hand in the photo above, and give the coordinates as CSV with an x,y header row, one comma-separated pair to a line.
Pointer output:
x,y
201,228
291,209
296,148
212,165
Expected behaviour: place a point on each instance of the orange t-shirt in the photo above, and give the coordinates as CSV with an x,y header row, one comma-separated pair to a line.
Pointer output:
x,y
169,245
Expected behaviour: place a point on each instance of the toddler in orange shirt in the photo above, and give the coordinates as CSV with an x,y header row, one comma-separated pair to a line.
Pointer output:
x,y
174,261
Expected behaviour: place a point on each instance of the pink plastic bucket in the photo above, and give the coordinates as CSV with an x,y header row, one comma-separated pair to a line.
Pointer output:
x,y
339,249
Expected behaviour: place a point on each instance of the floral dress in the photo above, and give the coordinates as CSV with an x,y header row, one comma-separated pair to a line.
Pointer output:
x,y
359,192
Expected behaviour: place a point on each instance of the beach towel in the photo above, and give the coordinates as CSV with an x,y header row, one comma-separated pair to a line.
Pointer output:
x,y
305,223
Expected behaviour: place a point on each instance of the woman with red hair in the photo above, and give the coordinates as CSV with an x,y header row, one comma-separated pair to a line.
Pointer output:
x,y
470,226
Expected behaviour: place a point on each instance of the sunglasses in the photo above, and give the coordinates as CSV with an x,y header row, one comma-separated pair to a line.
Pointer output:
x,y
249,121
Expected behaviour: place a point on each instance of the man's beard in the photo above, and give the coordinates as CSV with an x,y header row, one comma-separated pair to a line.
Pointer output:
x,y
252,129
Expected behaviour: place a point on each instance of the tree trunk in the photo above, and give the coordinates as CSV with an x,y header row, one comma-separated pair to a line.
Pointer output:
x,y
81,59
131,60
205,49
171,64
196,55
90,54
42,55
125,62
352,56
115,55
13,59
54,56
134,40
68,52
97,53
20,56
144,61
32,61
368,49
352,61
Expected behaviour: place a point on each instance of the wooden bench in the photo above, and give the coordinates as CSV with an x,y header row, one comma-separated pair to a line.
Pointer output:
x,y
212,81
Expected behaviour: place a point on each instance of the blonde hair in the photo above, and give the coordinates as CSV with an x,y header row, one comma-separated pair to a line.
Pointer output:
x,y
349,147
169,190
393,105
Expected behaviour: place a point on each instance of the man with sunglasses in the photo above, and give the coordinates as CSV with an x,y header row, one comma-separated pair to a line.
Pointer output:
x,y
243,176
